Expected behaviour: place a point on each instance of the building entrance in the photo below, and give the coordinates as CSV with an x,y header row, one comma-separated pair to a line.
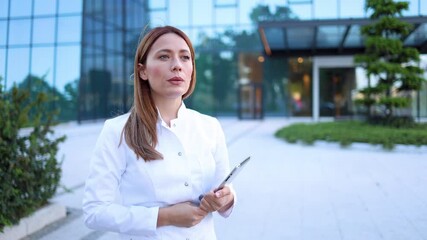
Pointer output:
x,y
335,92
250,101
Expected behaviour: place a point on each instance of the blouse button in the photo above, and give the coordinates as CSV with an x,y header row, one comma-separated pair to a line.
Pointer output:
x,y
174,125
179,153
186,184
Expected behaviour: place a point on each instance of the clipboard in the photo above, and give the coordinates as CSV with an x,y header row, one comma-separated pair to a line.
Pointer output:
x,y
236,170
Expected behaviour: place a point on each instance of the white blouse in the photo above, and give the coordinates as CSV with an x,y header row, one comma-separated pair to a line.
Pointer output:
x,y
123,194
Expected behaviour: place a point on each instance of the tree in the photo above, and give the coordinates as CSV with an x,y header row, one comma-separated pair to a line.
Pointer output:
x,y
30,172
263,13
386,59
65,103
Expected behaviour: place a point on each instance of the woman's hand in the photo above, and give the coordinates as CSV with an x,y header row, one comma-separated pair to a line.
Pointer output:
x,y
220,200
184,214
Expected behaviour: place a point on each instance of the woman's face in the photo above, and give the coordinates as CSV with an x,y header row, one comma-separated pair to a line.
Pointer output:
x,y
168,67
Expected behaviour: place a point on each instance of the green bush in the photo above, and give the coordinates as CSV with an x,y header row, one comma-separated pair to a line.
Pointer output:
x,y
347,132
29,170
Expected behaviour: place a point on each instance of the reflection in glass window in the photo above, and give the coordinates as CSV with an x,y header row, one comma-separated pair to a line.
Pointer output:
x,y
202,13
112,40
181,17
44,7
2,65
337,91
3,33
230,12
352,9
69,29
44,30
19,32
18,66
4,7
303,11
326,9
413,9
158,4
67,6
158,18
42,63
226,2
20,8
423,8
67,66
300,86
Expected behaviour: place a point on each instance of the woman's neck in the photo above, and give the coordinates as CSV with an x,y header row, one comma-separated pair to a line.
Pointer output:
x,y
169,109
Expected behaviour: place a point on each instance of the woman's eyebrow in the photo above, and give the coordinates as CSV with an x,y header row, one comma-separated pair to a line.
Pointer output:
x,y
170,51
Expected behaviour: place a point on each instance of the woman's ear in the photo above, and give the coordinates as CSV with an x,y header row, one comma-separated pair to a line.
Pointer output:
x,y
141,71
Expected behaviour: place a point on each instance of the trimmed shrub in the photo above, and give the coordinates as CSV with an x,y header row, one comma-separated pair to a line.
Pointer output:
x,y
29,170
347,132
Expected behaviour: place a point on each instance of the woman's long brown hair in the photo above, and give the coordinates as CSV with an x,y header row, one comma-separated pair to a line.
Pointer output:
x,y
140,131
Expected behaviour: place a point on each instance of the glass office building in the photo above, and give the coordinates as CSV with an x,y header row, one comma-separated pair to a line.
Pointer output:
x,y
255,58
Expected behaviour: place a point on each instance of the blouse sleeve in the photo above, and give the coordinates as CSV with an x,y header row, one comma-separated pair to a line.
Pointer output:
x,y
223,164
100,207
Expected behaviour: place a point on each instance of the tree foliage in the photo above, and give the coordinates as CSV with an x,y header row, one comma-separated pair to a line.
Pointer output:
x,y
386,59
29,170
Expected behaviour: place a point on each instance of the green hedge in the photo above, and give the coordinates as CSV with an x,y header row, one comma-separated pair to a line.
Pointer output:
x,y
29,170
347,132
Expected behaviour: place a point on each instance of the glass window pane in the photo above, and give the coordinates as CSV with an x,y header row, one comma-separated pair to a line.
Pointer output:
x,y
325,9
330,36
2,65
42,63
67,66
4,8
202,13
111,40
300,86
225,2
158,18
275,38
19,32
336,94
352,9
19,8
413,9
157,4
118,15
300,38
111,13
44,30
230,20
67,6
417,37
44,7
423,7
303,11
69,29
354,38
3,33
16,73
181,17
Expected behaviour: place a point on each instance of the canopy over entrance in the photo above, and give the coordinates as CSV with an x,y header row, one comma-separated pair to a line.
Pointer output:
x,y
328,37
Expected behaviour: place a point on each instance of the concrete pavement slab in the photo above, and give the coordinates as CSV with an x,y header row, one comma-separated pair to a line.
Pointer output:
x,y
290,191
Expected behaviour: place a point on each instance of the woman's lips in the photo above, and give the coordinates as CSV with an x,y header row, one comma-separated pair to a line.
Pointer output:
x,y
176,80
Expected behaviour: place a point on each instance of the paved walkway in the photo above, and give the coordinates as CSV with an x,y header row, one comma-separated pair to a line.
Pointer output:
x,y
287,191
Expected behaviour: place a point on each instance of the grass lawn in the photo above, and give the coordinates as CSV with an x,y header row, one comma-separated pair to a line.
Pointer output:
x,y
347,132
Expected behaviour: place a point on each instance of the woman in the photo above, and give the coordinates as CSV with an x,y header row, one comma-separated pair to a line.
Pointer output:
x,y
150,165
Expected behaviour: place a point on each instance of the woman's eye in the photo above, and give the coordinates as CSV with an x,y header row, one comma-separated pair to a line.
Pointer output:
x,y
186,57
163,57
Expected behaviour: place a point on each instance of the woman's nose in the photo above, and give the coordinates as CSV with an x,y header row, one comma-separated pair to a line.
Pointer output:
x,y
176,65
